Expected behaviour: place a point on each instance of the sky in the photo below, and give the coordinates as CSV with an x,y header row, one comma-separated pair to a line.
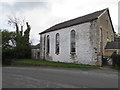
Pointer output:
x,y
42,14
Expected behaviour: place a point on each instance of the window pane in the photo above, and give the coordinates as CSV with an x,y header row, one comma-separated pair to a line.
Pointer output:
x,y
48,44
57,43
72,41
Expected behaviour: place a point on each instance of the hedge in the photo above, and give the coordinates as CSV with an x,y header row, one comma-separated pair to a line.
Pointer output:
x,y
116,60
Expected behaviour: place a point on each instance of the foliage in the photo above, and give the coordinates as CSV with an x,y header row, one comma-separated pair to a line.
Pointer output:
x,y
8,44
7,56
0,37
23,48
116,61
117,37
15,44
7,38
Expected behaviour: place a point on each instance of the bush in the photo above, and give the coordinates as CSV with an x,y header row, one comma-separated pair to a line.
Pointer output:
x,y
23,52
7,56
116,61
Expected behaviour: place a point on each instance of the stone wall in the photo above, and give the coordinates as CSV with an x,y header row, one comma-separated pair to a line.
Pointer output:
x,y
35,53
104,24
89,49
85,45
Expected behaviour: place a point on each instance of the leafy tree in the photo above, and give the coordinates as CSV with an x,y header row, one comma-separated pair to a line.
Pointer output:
x,y
8,45
16,44
8,39
22,43
117,37
23,48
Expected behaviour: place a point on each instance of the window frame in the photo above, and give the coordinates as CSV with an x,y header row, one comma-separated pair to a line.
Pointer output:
x,y
48,44
57,44
72,42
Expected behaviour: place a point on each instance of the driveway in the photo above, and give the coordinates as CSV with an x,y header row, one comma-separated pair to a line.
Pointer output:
x,y
40,77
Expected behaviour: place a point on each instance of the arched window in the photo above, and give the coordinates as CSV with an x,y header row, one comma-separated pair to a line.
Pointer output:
x,y
44,48
72,42
57,43
48,44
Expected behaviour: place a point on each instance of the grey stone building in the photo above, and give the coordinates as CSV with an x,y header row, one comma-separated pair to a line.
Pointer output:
x,y
113,46
81,40
35,51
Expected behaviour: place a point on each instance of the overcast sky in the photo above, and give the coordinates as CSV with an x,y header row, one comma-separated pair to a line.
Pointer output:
x,y
42,14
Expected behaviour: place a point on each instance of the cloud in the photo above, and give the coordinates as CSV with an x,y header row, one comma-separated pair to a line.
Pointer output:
x,y
22,6
46,13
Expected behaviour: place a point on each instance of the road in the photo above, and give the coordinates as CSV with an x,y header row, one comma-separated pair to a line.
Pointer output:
x,y
41,77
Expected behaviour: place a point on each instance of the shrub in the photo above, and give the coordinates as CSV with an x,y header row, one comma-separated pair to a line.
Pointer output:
x,y
7,56
116,61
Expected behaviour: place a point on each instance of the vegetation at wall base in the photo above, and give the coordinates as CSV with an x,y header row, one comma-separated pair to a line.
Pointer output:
x,y
15,44
116,60
32,62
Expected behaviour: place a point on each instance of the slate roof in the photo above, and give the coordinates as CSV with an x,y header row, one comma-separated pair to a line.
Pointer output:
x,y
113,45
79,20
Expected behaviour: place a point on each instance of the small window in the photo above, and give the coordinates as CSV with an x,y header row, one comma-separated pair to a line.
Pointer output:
x,y
44,48
48,44
57,43
38,55
100,34
72,43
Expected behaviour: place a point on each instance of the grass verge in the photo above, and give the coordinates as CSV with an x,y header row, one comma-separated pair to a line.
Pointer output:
x,y
33,62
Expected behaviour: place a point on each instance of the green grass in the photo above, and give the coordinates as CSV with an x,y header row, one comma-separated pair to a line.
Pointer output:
x,y
55,64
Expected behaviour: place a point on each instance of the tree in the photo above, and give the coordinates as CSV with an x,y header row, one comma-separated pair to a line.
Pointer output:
x,y
8,45
117,37
23,47
16,44
8,39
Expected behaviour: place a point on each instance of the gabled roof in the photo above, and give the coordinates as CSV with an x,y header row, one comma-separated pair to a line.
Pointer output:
x,y
79,20
113,45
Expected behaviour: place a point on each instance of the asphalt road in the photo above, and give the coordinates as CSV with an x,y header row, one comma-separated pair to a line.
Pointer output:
x,y
39,77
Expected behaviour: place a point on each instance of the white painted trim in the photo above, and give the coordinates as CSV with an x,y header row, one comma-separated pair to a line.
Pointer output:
x,y
102,13
111,49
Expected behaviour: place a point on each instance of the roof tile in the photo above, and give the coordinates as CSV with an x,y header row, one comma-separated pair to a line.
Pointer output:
x,y
79,20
